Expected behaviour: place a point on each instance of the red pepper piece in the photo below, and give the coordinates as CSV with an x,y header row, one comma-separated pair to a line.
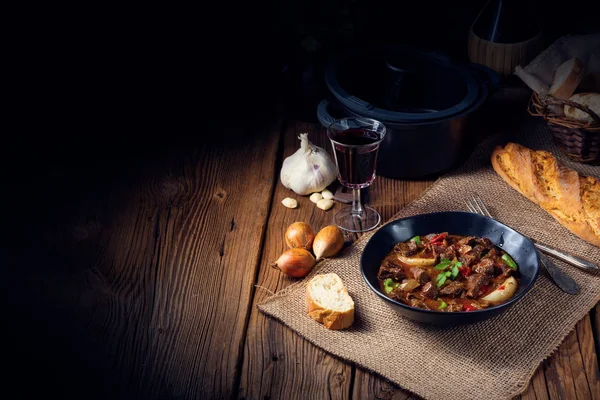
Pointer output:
x,y
438,238
465,271
469,307
501,287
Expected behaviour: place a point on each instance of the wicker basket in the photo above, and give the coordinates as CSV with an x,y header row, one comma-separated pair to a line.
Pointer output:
x,y
578,140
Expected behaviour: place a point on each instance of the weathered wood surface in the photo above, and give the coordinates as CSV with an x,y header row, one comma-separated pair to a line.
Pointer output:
x,y
161,279
145,288
272,351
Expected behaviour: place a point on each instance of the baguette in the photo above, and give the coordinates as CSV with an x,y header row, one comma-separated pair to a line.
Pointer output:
x,y
573,200
328,302
566,78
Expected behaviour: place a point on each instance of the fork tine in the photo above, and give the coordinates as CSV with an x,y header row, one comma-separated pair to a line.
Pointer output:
x,y
476,205
480,202
471,207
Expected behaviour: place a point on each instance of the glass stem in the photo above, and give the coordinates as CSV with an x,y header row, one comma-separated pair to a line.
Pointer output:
x,y
356,206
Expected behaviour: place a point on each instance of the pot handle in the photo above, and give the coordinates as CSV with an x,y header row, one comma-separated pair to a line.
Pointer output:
x,y
323,115
488,75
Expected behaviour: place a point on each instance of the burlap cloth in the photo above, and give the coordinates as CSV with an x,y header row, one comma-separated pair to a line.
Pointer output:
x,y
493,359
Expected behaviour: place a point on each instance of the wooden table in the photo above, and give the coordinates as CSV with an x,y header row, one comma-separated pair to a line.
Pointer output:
x,y
143,284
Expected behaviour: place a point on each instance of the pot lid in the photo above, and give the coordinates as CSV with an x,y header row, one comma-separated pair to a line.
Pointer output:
x,y
401,84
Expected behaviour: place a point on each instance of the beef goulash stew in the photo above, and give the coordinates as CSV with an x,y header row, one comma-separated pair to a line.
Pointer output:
x,y
448,273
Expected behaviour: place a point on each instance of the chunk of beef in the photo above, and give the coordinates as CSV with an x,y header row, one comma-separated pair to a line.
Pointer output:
x,y
419,274
487,243
400,295
449,253
506,271
469,241
391,270
406,249
485,267
429,290
474,284
493,253
454,289
468,259
463,248
418,303
479,250
453,306
439,250
472,257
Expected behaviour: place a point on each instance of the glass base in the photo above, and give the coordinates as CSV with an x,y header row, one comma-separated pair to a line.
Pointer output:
x,y
368,220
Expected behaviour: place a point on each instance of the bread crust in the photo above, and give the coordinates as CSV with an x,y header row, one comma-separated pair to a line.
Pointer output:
x,y
590,197
591,100
331,319
565,89
573,200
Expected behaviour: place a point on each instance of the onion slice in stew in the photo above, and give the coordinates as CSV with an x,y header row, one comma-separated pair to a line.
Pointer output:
x,y
503,293
416,261
409,284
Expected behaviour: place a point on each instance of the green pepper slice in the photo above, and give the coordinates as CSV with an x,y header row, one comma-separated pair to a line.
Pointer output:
x,y
416,239
390,285
509,261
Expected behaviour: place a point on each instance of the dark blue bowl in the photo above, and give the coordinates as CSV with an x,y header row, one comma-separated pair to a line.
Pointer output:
x,y
518,246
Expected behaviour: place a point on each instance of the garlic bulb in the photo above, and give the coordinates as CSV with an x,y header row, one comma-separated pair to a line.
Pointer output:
x,y
308,170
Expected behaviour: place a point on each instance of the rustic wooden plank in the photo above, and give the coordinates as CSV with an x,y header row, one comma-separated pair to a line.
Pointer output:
x,y
596,326
563,371
279,364
589,354
537,389
368,385
162,277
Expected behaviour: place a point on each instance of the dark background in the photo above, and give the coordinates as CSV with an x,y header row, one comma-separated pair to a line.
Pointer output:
x,y
134,73
152,72
102,94
113,83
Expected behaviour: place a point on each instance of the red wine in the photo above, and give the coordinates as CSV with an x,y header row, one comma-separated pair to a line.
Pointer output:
x,y
355,152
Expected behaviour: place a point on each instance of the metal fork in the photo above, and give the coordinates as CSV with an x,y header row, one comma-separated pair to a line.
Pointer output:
x,y
561,279
579,262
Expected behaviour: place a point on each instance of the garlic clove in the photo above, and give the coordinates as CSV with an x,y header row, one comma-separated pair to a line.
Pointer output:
x,y
315,197
289,202
327,194
325,204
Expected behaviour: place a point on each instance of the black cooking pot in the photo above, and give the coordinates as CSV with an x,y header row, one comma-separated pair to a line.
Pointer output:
x,y
426,102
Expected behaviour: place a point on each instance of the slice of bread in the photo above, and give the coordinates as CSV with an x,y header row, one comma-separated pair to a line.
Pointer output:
x,y
566,78
328,301
592,100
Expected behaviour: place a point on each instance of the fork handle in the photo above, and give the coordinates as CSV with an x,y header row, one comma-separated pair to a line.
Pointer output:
x,y
569,258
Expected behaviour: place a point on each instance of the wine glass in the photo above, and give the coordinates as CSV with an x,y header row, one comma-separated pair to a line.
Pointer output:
x,y
355,143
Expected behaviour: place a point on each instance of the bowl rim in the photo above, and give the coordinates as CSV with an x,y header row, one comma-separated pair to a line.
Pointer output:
x,y
515,298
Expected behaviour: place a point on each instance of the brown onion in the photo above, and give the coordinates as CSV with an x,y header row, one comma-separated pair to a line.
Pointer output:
x,y
299,235
296,263
328,242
